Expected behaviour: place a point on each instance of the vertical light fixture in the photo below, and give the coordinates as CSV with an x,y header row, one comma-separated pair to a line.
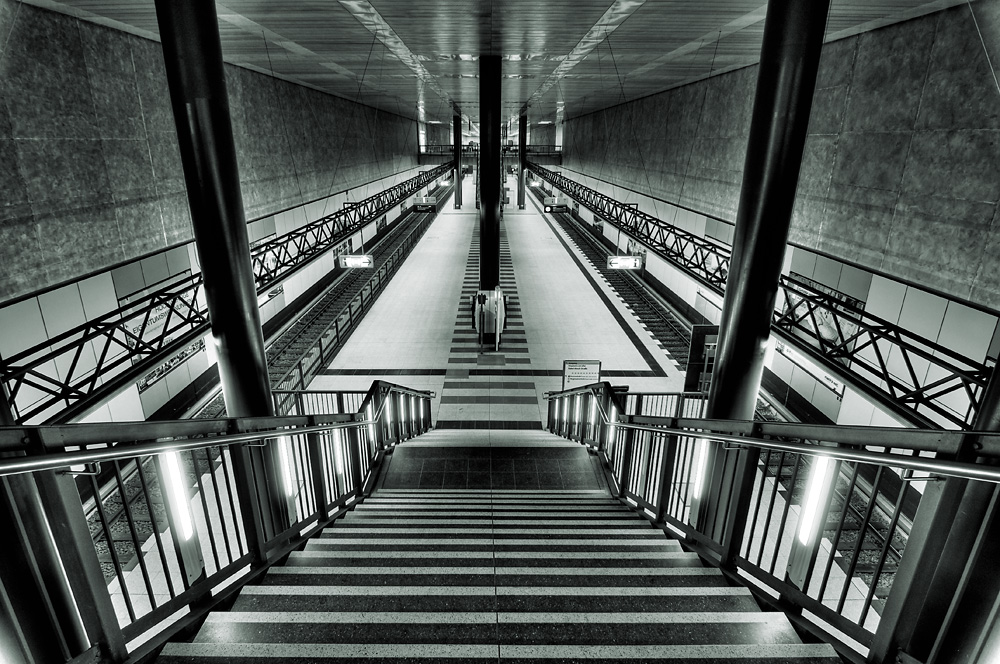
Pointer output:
x,y
371,427
698,476
815,493
338,456
177,494
284,456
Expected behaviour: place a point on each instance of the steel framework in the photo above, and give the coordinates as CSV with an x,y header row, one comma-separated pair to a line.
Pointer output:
x,y
63,376
914,376
272,260
707,262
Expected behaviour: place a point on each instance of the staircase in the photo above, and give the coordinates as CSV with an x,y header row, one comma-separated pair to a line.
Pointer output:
x,y
490,575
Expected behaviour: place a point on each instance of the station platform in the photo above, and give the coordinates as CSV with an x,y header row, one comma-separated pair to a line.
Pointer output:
x,y
420,331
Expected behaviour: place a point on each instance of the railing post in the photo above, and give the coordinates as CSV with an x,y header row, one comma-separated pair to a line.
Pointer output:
x,y
356,449
626,451
638,404
71,535
317,468
666,475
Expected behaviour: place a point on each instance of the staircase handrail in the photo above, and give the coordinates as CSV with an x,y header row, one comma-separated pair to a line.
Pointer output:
x,y
835,571
232,496
753,435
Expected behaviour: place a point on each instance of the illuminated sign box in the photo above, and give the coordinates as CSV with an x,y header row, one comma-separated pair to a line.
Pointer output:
x,y
348,261
577,373
624,262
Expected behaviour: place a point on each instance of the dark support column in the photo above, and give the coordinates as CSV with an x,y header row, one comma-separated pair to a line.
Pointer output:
x,y
490,167
789,59
942,593
457,142
522,151
192,52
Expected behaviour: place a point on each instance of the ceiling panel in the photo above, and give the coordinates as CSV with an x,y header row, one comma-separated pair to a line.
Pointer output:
x,y
418,58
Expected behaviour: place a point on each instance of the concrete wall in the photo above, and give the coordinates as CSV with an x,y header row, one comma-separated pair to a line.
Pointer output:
x,y
901,173
542,134
90,174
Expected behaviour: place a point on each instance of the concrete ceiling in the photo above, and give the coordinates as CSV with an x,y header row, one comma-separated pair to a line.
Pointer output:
x,y
561,58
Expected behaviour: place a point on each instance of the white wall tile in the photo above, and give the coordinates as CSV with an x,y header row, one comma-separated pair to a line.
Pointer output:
x,y
177,379
880,418
827,272
62,310
98,295
885,298
102,414
855,282
922,313
154,397
154,269
782,367
827,402
855,409
803,262
967,331
803,383
126,406
22,327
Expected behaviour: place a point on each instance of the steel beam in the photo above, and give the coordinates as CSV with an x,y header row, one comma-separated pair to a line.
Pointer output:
x,y
490,167
456,126
522,152
789,61
192,53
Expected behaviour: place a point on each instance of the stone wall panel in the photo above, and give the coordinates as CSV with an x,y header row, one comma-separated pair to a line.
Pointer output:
x,y
91,173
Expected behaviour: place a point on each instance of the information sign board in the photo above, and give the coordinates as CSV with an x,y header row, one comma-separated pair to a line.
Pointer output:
x,y
356,261
624,262
580,372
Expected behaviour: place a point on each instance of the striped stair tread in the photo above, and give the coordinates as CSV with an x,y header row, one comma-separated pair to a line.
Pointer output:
x,y
489,576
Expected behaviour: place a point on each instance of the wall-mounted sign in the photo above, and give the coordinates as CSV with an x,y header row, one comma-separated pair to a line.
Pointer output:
x,y
580,372
624,262
348,261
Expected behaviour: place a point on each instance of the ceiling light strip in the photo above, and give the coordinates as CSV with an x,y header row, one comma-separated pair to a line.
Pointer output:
x,y
613,18
369,17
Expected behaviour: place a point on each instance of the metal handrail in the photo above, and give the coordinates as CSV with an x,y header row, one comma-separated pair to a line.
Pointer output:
x,y
18,465
950,468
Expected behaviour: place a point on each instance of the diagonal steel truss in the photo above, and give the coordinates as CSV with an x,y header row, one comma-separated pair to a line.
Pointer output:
x,y
704,260
913,371
927,383
64,376
272,260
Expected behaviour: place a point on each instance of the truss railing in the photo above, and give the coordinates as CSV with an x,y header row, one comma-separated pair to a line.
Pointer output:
x,y
189,511
915,377
274,259
706,261
933,378
825,521
60,377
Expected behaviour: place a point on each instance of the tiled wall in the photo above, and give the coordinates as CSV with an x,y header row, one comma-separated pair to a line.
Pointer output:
x,y
901,171
91,174
35,319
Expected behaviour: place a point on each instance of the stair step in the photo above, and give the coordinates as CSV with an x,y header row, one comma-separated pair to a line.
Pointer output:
x,y
487,576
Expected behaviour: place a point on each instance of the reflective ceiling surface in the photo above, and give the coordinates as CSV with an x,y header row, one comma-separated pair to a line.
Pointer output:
x,y
561,58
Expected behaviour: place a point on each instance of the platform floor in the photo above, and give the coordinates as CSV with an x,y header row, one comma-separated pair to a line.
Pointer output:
x,y
419,333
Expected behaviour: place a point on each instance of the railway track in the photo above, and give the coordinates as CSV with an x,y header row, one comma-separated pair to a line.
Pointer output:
x,y
663,325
